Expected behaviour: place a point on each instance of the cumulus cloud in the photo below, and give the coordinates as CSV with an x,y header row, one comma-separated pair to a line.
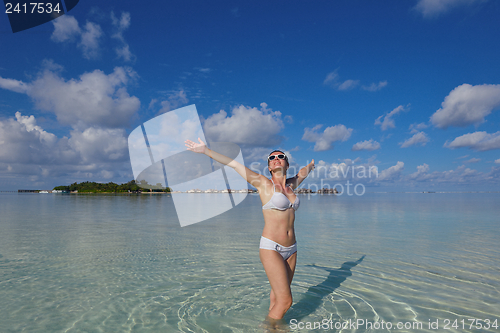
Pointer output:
x,y
461,175
473,160
415,128
94,99
433,8
325,139
392,173
385,121
121,25
89,43
23,141
375,86
497,161
98,144
480,141
366,145
467,105
89,37
32,156
421,172
175,99
247,126
419,138
66,28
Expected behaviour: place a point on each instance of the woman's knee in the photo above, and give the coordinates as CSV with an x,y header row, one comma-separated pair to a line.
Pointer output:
x,y
285,301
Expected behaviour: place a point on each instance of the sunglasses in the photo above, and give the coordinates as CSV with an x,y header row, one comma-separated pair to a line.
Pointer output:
x,y
280,156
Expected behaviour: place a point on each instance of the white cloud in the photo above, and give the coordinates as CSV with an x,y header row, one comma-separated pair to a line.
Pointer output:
x,y
432,8
124,52
375,86
121,25
415,128
89,43
348,85
30,126
473,160
387,121
419,138
461,175
65,28
331,78
421,172
89,37
98,144
325,139
366,145
246,126
95,99
23,141
497,161
31,156
175,99
480,141
466,105
392,173
14,85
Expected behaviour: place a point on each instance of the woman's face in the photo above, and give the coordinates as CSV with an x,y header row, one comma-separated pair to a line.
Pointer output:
x,y
277,163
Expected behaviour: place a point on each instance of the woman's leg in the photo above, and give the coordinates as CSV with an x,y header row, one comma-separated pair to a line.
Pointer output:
x,y
279,272
290,264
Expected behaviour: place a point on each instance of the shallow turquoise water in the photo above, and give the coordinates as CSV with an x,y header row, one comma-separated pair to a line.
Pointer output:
x,y
85,263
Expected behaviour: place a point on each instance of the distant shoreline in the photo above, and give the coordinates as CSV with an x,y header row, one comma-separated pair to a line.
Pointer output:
x,y
147,192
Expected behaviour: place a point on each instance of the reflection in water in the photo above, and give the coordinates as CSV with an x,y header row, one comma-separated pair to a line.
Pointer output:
x,y
315,294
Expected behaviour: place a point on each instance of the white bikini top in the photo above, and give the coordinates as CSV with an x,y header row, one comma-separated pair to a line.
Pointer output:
x,y
279,201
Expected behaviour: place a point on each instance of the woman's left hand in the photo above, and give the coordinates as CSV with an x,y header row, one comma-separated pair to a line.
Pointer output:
x,y
196,147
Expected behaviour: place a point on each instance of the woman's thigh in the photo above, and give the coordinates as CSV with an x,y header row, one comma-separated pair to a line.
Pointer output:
x,y
277,271
290,265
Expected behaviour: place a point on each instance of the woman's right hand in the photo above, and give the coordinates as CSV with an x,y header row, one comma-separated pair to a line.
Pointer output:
x,y
196,147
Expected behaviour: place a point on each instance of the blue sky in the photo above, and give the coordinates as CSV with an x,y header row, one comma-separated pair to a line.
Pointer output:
x,y
411,87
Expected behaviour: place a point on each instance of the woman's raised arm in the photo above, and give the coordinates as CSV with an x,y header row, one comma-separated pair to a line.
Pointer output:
x,y
303,173
250,176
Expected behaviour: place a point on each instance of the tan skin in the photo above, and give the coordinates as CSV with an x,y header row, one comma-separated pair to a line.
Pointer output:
x,y
279,225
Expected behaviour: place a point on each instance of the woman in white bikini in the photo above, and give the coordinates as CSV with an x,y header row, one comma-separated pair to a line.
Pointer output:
x,y
278,247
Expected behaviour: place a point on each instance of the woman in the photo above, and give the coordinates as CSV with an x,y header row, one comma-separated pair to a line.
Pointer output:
x,y
278,247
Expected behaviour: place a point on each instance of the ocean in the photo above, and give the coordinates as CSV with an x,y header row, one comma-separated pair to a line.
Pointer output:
x,y
381,262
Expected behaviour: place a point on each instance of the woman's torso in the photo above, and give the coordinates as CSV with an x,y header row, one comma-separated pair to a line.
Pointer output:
x,y
279,224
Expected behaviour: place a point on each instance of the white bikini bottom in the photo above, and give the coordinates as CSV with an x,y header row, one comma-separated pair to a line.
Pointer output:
x,y
285,251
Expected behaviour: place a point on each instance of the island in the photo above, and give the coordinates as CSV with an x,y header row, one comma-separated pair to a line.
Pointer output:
x,y
93,187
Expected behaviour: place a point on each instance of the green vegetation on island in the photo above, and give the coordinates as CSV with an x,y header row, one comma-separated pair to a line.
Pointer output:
x,y
93,187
